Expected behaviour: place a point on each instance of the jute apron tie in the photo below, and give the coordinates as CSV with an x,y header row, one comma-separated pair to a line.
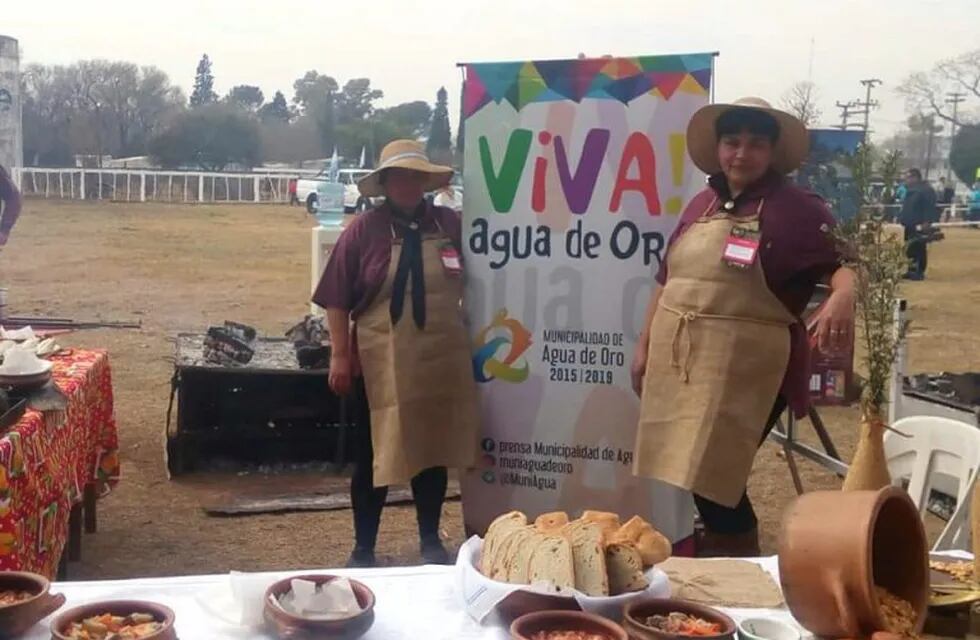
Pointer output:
x,y
685,319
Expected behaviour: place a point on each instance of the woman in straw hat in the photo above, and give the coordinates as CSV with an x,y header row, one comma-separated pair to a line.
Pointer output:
x,y
725,351
392,291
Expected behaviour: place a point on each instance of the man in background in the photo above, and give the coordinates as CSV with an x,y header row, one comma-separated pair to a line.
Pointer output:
x,y
944,197
10,205
918,212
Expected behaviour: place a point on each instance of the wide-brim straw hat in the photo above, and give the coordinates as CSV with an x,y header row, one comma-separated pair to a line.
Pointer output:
x,y
788,153
404,154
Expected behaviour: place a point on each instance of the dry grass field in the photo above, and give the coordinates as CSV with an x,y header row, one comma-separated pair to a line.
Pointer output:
x,y
179,268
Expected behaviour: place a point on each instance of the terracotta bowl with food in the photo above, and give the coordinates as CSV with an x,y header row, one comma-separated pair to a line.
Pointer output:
x,y
130,619
289,625
565,625
676,619
25,600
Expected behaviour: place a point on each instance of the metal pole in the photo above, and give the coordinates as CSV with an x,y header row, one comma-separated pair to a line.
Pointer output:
x,y
869,84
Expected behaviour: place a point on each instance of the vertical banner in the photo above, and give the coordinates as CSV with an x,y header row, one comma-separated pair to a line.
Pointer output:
x,y
575,174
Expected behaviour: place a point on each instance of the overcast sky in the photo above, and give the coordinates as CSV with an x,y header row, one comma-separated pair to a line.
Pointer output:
x,y
409,48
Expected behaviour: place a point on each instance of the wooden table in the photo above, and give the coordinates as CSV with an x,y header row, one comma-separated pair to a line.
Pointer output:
x,y
54,465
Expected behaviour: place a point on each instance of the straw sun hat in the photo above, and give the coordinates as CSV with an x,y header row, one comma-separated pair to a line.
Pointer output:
x,y
788,152
405,154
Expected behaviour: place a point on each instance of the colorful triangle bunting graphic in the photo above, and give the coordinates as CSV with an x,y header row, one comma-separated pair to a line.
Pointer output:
x,y
666,83
499,78
622,79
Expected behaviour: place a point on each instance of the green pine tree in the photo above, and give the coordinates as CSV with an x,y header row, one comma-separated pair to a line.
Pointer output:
x,y
440,145
203,84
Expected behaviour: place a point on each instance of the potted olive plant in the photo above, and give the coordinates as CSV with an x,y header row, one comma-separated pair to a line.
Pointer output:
x,y
876,253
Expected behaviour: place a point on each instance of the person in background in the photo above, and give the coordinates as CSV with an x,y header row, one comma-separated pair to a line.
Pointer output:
x,y
944,197
918,212
724,350
10,205
973,211
900,192
399,346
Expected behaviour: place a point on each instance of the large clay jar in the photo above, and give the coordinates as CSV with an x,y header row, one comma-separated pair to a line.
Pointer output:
x,y
836,546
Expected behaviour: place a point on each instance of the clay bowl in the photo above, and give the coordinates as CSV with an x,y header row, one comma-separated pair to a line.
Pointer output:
x,y
117,608
636,614
17,618
287,625
529,624
837,545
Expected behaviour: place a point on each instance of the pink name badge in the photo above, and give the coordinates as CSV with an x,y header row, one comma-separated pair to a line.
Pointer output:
x,y
740,252
450,260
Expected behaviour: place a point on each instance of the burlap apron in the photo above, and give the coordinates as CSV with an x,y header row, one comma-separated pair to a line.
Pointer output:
x,y
419,382
719,346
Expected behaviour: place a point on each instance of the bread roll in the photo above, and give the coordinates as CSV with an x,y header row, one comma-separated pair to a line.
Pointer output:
x,y
654,547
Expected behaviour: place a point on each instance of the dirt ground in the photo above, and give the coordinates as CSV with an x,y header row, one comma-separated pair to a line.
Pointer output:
x,y
179,268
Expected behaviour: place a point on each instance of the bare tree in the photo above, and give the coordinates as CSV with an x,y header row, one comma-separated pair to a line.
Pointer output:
x,y
94,107
927,91
801,100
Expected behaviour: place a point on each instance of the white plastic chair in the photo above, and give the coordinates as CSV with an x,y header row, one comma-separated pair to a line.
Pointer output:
x,y
943,454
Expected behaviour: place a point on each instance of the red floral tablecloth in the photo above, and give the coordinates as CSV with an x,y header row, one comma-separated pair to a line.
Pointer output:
x,y
47,459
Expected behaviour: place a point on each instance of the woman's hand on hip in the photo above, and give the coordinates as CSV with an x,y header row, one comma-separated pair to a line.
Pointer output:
x,y
638,368
341,372
835,322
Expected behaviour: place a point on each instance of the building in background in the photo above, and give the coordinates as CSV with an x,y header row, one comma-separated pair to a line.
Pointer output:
x,y
11,126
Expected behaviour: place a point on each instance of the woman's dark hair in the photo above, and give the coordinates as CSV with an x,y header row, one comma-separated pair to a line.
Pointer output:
x,y
735,121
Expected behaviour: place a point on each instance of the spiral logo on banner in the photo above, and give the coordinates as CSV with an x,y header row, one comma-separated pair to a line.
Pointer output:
x,y
499,346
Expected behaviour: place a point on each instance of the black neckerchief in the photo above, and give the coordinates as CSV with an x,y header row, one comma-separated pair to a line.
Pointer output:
x,y
409,266
760,189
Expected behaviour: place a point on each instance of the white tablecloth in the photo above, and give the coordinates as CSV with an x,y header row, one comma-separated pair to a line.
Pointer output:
x,y
412,603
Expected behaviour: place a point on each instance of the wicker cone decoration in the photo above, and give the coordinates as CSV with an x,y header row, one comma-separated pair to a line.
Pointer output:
x,y
869,470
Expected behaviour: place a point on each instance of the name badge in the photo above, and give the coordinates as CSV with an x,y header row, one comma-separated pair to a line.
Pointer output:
x,y
741,247
451,263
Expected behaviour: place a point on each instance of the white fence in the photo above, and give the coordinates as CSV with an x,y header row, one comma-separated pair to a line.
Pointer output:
x,y
137,185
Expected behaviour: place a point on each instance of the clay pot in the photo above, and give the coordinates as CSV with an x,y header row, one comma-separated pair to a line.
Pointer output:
x,y
531,624
16,619
837,545
868,470
287,625
161,613
636,614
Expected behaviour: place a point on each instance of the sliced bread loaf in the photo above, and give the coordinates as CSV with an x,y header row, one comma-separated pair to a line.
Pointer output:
x,y
552,562
589,558
625,569
495,536
551,521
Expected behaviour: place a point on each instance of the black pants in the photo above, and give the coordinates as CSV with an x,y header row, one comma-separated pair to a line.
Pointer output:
x,y
367,501
917,250
740,519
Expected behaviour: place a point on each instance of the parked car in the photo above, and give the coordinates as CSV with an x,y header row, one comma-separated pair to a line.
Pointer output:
x,y
354,202
452,196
